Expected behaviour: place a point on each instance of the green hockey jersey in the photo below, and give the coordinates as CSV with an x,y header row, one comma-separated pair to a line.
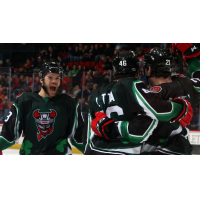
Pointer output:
x,y
122,101
46,124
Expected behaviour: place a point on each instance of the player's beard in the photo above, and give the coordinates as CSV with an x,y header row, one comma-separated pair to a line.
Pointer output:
x,y
46,90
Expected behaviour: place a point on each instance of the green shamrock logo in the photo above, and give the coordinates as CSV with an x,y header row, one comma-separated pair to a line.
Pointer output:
x,y
61,145
26,146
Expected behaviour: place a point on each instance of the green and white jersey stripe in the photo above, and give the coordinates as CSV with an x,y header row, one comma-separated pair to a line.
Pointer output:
x,y
123,128
90,132
150,111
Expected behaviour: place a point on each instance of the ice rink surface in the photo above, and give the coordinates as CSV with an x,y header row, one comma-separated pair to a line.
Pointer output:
x,y
16,152
11,152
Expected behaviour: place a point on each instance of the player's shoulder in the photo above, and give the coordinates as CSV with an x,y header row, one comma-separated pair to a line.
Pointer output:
x,y
103,89
129,81
25,96
66,96
178,76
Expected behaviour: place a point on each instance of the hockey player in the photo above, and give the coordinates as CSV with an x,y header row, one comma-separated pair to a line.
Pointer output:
x,y
124,100
168,138
47,118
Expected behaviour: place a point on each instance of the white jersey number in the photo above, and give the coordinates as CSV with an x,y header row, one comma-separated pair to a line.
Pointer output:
x,y
9,115
113,109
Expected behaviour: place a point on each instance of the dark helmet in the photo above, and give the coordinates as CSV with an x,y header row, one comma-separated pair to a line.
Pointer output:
x,y
125,62
160,60
50,67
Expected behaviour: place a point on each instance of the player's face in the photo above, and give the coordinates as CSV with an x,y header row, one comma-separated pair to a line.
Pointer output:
x,y
51,84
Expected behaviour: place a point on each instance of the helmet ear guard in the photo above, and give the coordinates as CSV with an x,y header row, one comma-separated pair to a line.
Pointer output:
x,y
50,67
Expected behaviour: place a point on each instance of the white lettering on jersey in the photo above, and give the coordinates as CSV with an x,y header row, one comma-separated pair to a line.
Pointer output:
x,y
103,97
9,115
97,101
111,97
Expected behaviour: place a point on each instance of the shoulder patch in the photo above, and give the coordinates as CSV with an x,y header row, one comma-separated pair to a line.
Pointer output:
x,y
180,75
156,89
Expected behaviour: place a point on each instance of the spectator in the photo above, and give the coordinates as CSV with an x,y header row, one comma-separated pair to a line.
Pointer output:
x,y
21,71
2,92
75,70
95,86
70,55
91,52
87,92
85,53
51,54
76,90
36,84
97,53
68,71
39,63
9,83
77,54
33,63
78,78
108,51
9,64
27,83
27,65
107,64
5,110
61,62
96,78
20,84
2,81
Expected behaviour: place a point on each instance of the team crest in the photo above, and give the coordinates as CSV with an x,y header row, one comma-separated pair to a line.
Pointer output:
x,y
45,122
156,89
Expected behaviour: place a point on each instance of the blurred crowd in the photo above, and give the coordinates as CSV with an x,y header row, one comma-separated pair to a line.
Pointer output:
x,y
85,66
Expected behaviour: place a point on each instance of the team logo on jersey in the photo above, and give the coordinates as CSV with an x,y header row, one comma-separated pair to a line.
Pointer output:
x,y
156,89
45,122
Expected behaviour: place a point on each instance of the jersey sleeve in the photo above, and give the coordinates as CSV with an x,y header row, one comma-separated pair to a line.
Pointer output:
x,y
138,130
194,69
11,129
153,104
77,130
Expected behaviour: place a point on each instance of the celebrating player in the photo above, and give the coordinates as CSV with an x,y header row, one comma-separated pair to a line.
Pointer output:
x,y
170,138
47,118
123,101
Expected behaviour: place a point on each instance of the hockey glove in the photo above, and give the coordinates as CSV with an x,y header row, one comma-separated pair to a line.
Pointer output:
x,y
187,113
1,153
100,125
188,49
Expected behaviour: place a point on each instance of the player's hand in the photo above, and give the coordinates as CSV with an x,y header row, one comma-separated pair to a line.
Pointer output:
x,y
100,125
187,113
188,49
